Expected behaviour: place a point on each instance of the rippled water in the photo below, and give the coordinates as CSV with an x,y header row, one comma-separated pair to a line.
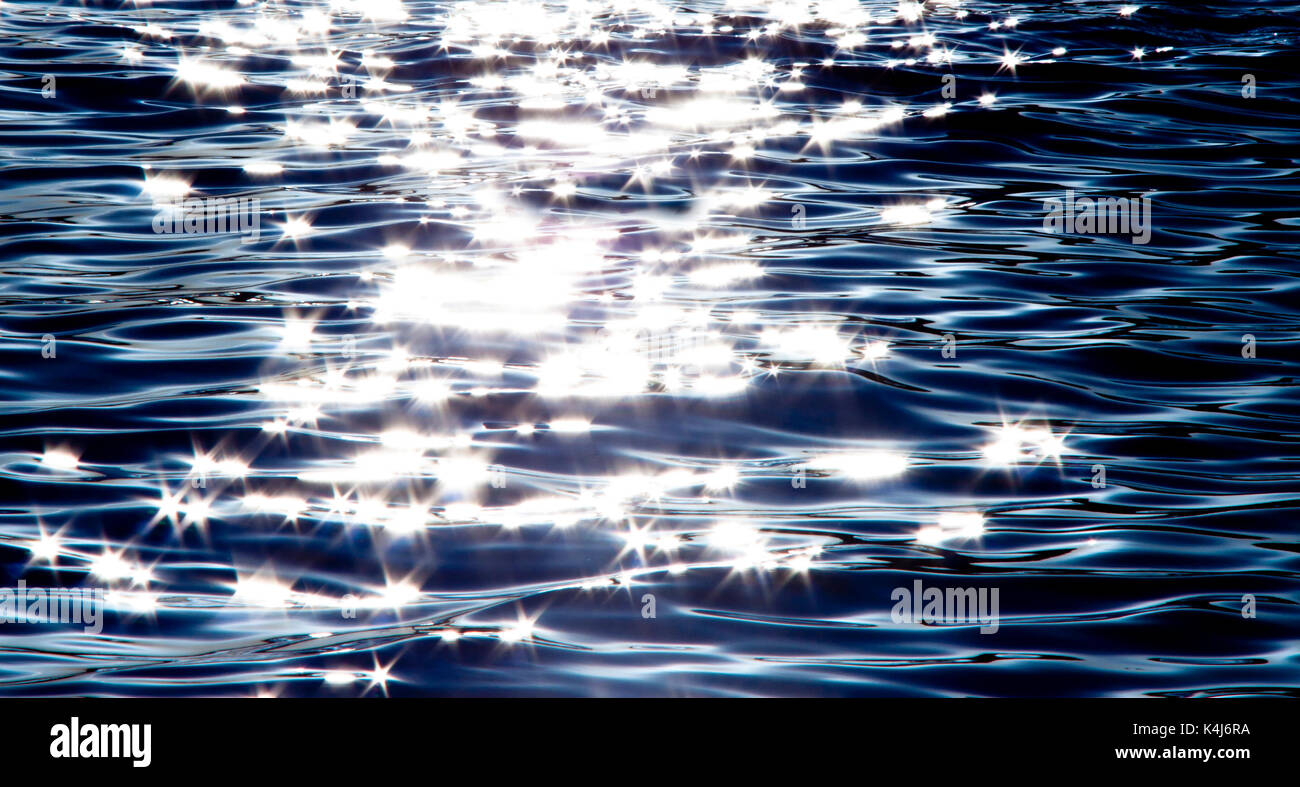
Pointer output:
x,y
625,348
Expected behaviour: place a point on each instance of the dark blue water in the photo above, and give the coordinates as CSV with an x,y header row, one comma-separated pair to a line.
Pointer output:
x,y
620,348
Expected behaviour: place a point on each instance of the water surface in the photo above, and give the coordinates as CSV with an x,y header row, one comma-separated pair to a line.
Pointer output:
x,y
615,348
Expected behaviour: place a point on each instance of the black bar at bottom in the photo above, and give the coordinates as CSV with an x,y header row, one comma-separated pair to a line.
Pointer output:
x,y
679,739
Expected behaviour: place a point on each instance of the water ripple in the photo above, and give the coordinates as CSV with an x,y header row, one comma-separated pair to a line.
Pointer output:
x,y
633,348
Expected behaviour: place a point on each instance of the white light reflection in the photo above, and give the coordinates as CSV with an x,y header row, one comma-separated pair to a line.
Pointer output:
x,y
600,252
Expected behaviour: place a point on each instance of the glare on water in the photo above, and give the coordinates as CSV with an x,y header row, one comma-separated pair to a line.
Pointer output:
x,y
573,245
